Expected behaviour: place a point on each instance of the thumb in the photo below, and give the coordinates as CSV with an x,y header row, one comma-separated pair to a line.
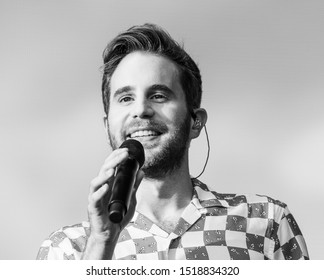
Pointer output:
x,y
139,178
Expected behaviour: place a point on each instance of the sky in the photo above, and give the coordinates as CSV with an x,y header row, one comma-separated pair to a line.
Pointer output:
x,y
262,66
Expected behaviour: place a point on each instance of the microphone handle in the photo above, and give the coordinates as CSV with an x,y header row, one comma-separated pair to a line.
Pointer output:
x,y
123,185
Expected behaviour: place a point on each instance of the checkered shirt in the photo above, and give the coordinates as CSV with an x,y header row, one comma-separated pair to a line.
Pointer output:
x,y
213,226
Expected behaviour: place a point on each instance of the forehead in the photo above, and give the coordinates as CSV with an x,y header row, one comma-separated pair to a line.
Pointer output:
x,y
142,69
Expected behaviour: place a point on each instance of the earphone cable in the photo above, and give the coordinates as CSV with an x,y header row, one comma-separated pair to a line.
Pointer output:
x,y
208,151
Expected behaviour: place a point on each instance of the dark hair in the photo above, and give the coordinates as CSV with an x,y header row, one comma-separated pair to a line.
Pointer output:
x,y
152,38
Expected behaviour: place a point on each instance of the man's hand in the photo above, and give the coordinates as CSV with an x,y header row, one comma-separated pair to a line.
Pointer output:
x,y
104,234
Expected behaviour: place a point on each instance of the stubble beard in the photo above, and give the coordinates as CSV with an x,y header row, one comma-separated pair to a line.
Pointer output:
x,y
171,154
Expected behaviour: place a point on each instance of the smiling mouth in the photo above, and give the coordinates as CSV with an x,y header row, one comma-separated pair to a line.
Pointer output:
x,y
143,133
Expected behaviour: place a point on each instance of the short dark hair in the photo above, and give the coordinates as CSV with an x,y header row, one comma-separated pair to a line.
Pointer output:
x,y
153,39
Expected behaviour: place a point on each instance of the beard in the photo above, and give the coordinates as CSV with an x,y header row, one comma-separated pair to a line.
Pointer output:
x,y
171,153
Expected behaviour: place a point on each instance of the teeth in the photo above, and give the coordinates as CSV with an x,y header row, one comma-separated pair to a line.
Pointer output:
x,y
142,133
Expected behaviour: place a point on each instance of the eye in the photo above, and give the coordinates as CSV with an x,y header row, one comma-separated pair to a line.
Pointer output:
x,y
125,99
157,97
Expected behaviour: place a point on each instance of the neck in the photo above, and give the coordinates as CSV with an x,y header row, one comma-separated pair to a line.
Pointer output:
x,y
163,200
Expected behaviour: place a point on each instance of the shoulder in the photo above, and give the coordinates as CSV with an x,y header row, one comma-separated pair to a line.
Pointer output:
x,y
254,205
66,242
71,232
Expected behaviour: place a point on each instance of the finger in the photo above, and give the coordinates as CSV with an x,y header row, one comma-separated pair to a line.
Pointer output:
x,y
114,154
139,178
96,198
113,160
108,169
99,181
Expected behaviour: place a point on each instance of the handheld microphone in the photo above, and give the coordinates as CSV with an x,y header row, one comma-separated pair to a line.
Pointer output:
x,y
124,180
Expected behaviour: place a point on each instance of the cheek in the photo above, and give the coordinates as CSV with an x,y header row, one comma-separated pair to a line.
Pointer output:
x,y
173,114
115,122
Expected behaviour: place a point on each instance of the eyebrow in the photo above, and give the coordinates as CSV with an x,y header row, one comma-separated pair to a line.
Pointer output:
x,y
155,87
123,90
160,87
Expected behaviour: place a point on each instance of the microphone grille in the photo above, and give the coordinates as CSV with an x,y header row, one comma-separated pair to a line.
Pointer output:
x,y
135,149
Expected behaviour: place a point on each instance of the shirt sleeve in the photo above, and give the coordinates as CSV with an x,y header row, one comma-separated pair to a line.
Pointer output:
x,y
289,241
65,244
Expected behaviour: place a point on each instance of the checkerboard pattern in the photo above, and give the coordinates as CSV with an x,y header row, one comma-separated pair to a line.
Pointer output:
x,y
213,226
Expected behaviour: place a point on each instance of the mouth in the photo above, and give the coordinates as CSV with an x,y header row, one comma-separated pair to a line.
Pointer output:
x,y
143,133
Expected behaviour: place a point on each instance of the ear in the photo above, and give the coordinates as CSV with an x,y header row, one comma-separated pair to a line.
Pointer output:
x,y
198,122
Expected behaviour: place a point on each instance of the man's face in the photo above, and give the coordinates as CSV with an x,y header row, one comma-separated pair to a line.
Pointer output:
x,y
147,103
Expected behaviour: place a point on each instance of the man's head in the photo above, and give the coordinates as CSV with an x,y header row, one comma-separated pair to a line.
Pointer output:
x,y
153,39
147,97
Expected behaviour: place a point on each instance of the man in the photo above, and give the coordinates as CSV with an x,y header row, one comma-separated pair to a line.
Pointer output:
x,y
152,92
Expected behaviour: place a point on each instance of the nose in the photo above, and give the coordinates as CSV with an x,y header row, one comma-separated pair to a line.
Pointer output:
x,y
142,108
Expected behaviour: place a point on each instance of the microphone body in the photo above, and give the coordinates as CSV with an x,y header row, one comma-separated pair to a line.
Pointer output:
x,y
122,189
124,181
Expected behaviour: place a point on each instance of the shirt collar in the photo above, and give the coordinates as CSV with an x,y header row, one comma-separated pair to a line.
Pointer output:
x,y
204,198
